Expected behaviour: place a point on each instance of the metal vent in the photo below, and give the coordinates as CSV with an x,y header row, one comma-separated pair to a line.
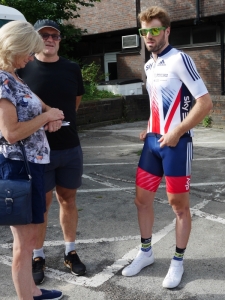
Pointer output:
x,y
130,41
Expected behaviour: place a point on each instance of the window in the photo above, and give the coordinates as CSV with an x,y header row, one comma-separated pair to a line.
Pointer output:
x,y
199,34
180,36
3,22
204,34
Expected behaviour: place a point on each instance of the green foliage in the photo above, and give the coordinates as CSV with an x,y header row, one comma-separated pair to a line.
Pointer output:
x,y
207,121
92,93
139,152
71,36
92,75
56,10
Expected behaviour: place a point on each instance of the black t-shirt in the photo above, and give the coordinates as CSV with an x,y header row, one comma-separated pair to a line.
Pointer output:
x,y
57,84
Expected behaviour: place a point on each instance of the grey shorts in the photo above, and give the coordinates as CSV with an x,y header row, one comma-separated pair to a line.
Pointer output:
x,y
65,169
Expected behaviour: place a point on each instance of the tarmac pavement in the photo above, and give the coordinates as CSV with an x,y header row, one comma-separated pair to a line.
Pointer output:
x,y
108,236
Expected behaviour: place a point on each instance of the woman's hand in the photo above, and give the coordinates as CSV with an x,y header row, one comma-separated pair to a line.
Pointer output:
x,y
53,126
56,117
55,114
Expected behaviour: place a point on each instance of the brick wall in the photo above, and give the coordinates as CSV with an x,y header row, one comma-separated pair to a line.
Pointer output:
x,y
136,107
186,9
100,111
177,9
107,111
113,15
208,64
129,66
107,15
218,111
110,15
133,108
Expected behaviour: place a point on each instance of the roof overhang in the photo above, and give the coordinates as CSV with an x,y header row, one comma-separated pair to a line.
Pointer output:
x,y
9,13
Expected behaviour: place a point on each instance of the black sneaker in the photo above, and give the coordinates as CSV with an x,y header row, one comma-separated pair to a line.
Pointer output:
x,y
73,262
38,266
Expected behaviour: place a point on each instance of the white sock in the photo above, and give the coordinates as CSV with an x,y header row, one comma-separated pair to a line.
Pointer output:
x,y
70,246
38,253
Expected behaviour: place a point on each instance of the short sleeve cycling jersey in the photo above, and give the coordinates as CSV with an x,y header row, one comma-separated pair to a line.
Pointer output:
x,y
172,82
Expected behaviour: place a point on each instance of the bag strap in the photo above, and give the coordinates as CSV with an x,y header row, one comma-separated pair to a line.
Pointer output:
x,y
25,159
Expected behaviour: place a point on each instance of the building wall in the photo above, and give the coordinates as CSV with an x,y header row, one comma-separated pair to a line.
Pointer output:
x,y
129,66
208,63
207,60
183,10
132,108
113,15
107,15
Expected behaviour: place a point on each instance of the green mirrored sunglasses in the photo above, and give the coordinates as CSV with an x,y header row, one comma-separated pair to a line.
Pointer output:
x,y
154,31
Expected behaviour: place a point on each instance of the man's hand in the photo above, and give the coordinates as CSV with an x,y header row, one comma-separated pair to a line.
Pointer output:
x,y
169,139
143,135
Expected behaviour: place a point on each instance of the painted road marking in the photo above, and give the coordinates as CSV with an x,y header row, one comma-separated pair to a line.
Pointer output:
x,y
89,241
116,189
110,271
141,144
135,163
106,273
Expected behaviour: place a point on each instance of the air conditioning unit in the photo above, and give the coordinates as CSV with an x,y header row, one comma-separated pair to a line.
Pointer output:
x,y
130,41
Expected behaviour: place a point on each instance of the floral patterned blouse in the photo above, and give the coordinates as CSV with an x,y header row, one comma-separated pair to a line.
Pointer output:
x,y
27,106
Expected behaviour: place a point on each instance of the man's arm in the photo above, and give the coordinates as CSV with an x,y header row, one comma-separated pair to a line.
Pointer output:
x,y
78,101
201,108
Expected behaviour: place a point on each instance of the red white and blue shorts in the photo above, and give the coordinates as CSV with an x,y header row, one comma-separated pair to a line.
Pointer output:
x,y
173,162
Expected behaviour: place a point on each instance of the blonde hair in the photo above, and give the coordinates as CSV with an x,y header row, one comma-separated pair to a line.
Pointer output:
x,y
155,12
17,38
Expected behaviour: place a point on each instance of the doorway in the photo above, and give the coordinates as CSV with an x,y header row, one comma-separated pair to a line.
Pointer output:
x,y
110,64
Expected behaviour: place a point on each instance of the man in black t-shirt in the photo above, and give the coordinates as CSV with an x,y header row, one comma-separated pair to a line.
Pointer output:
x,y
58,82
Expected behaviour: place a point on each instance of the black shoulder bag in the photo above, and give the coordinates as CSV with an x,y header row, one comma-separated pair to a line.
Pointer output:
x,y
15,198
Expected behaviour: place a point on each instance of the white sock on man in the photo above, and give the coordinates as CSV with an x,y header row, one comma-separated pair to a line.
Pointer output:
x,y
70,246
38,253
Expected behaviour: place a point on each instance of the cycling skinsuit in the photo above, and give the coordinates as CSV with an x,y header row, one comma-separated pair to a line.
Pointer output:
x,y
172,82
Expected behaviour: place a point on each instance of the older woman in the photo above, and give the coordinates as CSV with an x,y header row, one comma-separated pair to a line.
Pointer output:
x,y
23,116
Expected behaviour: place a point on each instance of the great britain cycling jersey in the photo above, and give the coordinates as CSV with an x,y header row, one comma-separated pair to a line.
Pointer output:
x,y
172,82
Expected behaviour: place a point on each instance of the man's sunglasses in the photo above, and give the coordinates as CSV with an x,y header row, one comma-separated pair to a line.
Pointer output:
x,y
55,37
154,31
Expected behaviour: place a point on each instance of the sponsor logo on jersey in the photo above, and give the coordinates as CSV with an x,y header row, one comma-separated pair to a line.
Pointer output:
x,y
148,67
161,63
187,102
161,75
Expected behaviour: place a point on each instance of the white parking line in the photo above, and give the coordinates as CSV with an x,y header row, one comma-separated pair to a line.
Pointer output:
x,y
110,271
114,146
210,158
208,142
89,241
135,163
141,144
106,273
116,189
